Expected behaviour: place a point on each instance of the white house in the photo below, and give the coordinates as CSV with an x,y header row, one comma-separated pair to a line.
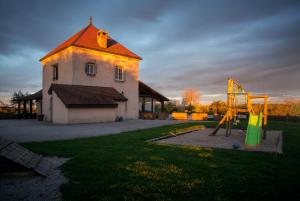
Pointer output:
x,y
92,78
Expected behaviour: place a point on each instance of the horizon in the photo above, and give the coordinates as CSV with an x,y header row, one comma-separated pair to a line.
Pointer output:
x,y
196,45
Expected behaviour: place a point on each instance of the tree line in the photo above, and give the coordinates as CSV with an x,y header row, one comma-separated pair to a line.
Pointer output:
x,y
191,103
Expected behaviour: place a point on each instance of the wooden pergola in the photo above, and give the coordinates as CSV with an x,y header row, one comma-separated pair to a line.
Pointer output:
x,y
30,98
147,92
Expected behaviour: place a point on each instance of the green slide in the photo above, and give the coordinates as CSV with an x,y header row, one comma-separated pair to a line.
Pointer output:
x,y
254,130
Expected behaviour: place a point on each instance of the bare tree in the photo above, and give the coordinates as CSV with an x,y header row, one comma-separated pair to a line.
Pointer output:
x,y
191,97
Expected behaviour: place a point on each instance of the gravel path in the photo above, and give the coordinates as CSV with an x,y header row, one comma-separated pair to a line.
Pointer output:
x,y
32,130
29,188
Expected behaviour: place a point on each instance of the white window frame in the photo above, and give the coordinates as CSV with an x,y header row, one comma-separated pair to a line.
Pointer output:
x,y
90,69
119,74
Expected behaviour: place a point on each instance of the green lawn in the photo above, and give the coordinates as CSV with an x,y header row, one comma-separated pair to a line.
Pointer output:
x,y
125,167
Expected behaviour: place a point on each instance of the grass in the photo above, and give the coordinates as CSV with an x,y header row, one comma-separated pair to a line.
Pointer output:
x,y
125,167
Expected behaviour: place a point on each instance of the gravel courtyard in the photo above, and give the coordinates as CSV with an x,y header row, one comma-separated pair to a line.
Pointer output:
x,y
32,130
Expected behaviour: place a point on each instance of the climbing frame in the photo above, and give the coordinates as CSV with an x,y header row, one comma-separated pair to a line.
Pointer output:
x,y
239,101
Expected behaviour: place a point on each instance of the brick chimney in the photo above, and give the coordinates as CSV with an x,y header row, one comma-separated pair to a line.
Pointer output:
x,y
102,38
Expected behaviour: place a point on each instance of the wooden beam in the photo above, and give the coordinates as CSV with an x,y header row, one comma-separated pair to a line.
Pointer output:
x,y
225,117
257,97
265,110
143,104
242,110
41,106
151,104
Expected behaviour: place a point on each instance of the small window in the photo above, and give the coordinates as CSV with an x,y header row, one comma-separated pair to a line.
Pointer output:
x,y
119,73
55,72
90,69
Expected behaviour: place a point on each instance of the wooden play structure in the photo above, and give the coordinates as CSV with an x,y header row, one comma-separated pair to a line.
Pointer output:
x,y
240,102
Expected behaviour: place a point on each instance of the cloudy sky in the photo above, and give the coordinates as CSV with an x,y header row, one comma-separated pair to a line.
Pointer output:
x,y
184,44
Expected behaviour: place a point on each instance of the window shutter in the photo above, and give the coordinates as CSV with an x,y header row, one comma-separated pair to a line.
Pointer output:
x,y
53,73
116,73
95,66
86,68
56,72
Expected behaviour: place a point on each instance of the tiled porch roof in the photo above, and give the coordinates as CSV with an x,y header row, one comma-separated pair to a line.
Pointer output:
x,y
79,96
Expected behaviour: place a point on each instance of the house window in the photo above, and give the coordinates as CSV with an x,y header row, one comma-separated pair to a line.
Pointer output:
x,y
55,72
119,73
90,69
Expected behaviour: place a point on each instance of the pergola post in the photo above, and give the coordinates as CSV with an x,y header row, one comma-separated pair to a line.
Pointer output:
x,y
162,106
41,106
151,104
24,107
30,107
143,104
19,108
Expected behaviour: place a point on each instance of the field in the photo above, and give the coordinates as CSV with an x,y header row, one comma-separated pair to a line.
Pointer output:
x,y
125,167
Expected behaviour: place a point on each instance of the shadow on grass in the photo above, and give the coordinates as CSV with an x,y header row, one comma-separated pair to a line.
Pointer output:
x,y
125,167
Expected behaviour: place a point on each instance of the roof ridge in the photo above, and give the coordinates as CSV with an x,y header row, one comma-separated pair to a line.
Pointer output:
x,y
87,38
82,85
85,29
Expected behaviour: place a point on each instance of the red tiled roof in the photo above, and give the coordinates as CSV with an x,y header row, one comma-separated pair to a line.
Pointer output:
x,y
79,96
87,38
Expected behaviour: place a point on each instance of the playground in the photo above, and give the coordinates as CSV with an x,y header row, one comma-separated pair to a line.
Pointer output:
x,y
236,141
254,137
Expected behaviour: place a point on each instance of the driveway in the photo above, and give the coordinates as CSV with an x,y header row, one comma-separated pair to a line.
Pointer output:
x,y
30,130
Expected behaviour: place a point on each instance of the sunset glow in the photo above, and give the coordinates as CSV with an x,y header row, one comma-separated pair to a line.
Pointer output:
x,y
196,45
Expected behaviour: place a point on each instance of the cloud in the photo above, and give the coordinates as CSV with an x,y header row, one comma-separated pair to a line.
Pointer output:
x,y
20,72
197,44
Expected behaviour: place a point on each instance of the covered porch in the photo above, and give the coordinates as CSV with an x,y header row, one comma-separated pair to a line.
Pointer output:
x,y
30,106
151,103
